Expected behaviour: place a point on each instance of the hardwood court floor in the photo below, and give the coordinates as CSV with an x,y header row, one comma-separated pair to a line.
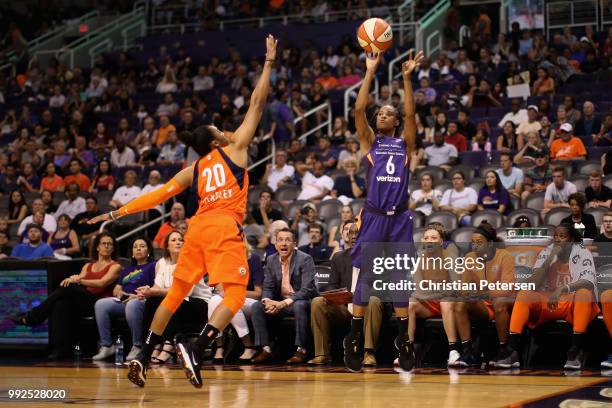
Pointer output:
x,y
282,387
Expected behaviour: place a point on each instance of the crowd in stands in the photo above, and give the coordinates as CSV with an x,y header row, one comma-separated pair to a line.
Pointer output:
x,y
78,142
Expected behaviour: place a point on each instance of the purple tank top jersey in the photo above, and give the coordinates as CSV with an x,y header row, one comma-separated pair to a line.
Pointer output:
x,y
387,179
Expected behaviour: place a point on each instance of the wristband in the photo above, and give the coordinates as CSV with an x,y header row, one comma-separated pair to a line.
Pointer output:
x,y
110,214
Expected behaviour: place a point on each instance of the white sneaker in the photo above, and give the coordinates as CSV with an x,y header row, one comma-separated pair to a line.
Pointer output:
x,y
453,356
133,354
104,353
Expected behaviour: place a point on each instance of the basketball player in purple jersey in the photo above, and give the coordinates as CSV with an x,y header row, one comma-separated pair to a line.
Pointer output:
x,y
385,217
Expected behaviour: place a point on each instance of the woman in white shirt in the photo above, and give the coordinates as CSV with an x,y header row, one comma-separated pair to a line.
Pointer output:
x,y
425,199
168,82
190,316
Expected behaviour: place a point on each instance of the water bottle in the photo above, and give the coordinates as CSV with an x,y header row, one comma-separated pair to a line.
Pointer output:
x,y
119,351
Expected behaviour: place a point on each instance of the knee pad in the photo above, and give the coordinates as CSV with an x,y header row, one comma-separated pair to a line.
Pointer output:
x,y
234,296
176,294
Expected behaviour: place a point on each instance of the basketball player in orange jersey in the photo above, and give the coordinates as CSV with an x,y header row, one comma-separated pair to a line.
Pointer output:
x,y
564,274
213,243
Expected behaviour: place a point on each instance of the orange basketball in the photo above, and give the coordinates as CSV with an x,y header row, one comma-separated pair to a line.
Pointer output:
x,y
375,35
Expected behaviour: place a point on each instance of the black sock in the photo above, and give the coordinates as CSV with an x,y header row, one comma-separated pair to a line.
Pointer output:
x,y
577,340
402,324
467,345
148,346
357,325
514,340
207,336
455,345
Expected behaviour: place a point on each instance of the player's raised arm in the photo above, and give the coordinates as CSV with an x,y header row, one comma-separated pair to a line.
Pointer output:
x,y
364,131
408,68
244,134
178,183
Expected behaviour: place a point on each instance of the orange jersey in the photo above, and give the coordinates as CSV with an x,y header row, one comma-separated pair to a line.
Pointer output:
x,y
221,184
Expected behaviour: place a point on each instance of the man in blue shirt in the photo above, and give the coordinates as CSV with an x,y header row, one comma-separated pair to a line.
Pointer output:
x,y
35,248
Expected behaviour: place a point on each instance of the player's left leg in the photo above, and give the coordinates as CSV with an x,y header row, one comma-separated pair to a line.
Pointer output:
x,y
501,313
581,310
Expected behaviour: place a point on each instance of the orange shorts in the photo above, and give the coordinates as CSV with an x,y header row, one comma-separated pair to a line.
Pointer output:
x,y
213,245
562,312
433,306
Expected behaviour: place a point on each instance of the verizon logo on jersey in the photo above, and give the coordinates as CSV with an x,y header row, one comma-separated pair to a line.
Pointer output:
x,y
389,179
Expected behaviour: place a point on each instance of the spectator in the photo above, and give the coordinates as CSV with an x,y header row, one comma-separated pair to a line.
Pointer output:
x,y
324,314
606,235
301,221
327,154
465,125
287,290
203,81
73,204
317,247
5,248
127,192
154,183
558,192
38,218
506,142
49,205
537,178
340,132
588,125
351,151
35,247
482,97
86,232
122,155
49,223
8,180
348,78
511,177
455,138
28,180
264,214
60,157
177,214
239,321
530,125
125,301
145,140
531,147
192,312
280,173
516,115
493,196
315,184
64,241
103,178
604,137
168,82
335,239
425,199
544,84
428,91
546,130
51,181
597,194
326,80
283,129
77,177
173,151
441,154
165,128
349,185
583,223
481,141
573,114
17,209
440,126
76,296
459,200
567,147
168,107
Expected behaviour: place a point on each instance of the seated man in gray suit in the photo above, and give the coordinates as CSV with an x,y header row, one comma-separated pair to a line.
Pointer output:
x,y
288,287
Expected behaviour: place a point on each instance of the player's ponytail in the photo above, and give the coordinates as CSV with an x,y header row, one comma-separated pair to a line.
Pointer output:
x,y
199,140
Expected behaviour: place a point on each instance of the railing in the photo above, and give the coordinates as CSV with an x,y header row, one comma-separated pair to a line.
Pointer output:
x,y
393,63
430,28
406,27
350,92
9,67
571,14
159,219
327,123
464,32
605,13
38,42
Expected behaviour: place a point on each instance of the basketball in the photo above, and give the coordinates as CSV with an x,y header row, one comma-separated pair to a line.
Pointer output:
x,y
375,35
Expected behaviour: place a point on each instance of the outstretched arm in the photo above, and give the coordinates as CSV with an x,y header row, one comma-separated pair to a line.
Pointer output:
x,y
410,126
364,131
180,182
244,134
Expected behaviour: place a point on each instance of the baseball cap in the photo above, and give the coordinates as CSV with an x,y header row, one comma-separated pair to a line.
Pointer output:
x,y
566,127
535,108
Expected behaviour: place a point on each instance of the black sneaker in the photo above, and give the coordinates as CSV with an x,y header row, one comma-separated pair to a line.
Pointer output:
x,y
575,358
137,373
506,358
353,352
406,352
190,359
468,359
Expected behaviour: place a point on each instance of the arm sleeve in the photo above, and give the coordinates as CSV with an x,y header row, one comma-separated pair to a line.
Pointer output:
x,y
152,199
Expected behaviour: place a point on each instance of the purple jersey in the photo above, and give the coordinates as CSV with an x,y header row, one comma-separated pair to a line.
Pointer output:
x,y
387,181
